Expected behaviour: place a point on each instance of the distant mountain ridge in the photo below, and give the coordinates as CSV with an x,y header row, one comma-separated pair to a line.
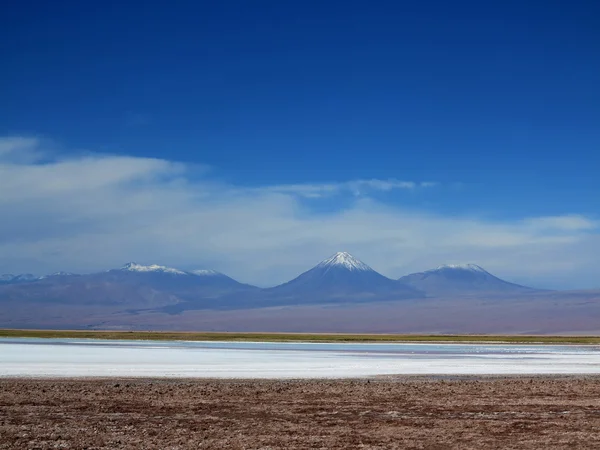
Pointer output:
x,y
9,278
133,286
460,279
129,267
338,293
341,278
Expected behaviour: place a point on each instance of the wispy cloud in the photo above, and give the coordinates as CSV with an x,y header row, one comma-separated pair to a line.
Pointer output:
x,y
570,222
86,212
355,187
18,149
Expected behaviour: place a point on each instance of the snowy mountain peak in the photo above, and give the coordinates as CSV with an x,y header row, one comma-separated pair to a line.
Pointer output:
x,y
25,277
205,272
345,260
57,274
469,267
134,267
21,278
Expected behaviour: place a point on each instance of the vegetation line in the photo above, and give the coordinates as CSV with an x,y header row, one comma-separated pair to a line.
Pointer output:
x,y
293,337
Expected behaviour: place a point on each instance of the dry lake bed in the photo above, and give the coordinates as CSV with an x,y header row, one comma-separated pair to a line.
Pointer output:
x,y
188,395
31,357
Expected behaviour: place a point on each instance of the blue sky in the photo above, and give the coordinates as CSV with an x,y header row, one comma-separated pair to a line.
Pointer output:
x,y
295,116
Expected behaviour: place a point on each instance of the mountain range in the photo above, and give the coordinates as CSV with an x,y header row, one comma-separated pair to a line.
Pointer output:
x,y
342,277
138,293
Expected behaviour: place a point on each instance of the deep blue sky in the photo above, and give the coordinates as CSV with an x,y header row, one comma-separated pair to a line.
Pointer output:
x,y
500,97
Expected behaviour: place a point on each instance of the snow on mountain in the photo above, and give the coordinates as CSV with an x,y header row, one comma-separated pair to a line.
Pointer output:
x,y
205,272
9,278
345,260
459,279
58,274
194,284
134,267
133,286
470,267
131,267
342,276
25,277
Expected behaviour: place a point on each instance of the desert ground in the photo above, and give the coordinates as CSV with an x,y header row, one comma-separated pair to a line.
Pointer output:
x,y
543,314
376,413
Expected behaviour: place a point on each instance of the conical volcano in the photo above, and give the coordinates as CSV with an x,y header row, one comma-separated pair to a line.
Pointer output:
x,y
346,277
458,279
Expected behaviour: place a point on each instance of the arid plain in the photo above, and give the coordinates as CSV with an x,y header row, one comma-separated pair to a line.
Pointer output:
x,y
376,413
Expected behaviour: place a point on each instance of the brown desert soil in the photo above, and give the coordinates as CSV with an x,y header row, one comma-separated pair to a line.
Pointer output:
x,y
384,413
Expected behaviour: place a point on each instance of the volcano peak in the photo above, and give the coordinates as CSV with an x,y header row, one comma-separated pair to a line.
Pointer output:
x,y
345,260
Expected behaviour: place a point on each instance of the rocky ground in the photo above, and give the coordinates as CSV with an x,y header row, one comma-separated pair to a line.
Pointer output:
x,y
407,413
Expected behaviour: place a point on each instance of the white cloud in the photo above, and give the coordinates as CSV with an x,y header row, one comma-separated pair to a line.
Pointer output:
x,y
356,187
571,222
92,212
16,143
20,149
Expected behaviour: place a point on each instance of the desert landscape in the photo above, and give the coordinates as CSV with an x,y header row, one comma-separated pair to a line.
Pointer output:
x,y
299,225
377,413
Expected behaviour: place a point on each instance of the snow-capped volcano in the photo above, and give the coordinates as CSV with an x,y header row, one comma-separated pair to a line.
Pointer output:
x,y
469,267
344,260
342,276
458,279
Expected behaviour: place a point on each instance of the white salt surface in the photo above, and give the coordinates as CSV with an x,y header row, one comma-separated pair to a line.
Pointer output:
x,y
96,358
